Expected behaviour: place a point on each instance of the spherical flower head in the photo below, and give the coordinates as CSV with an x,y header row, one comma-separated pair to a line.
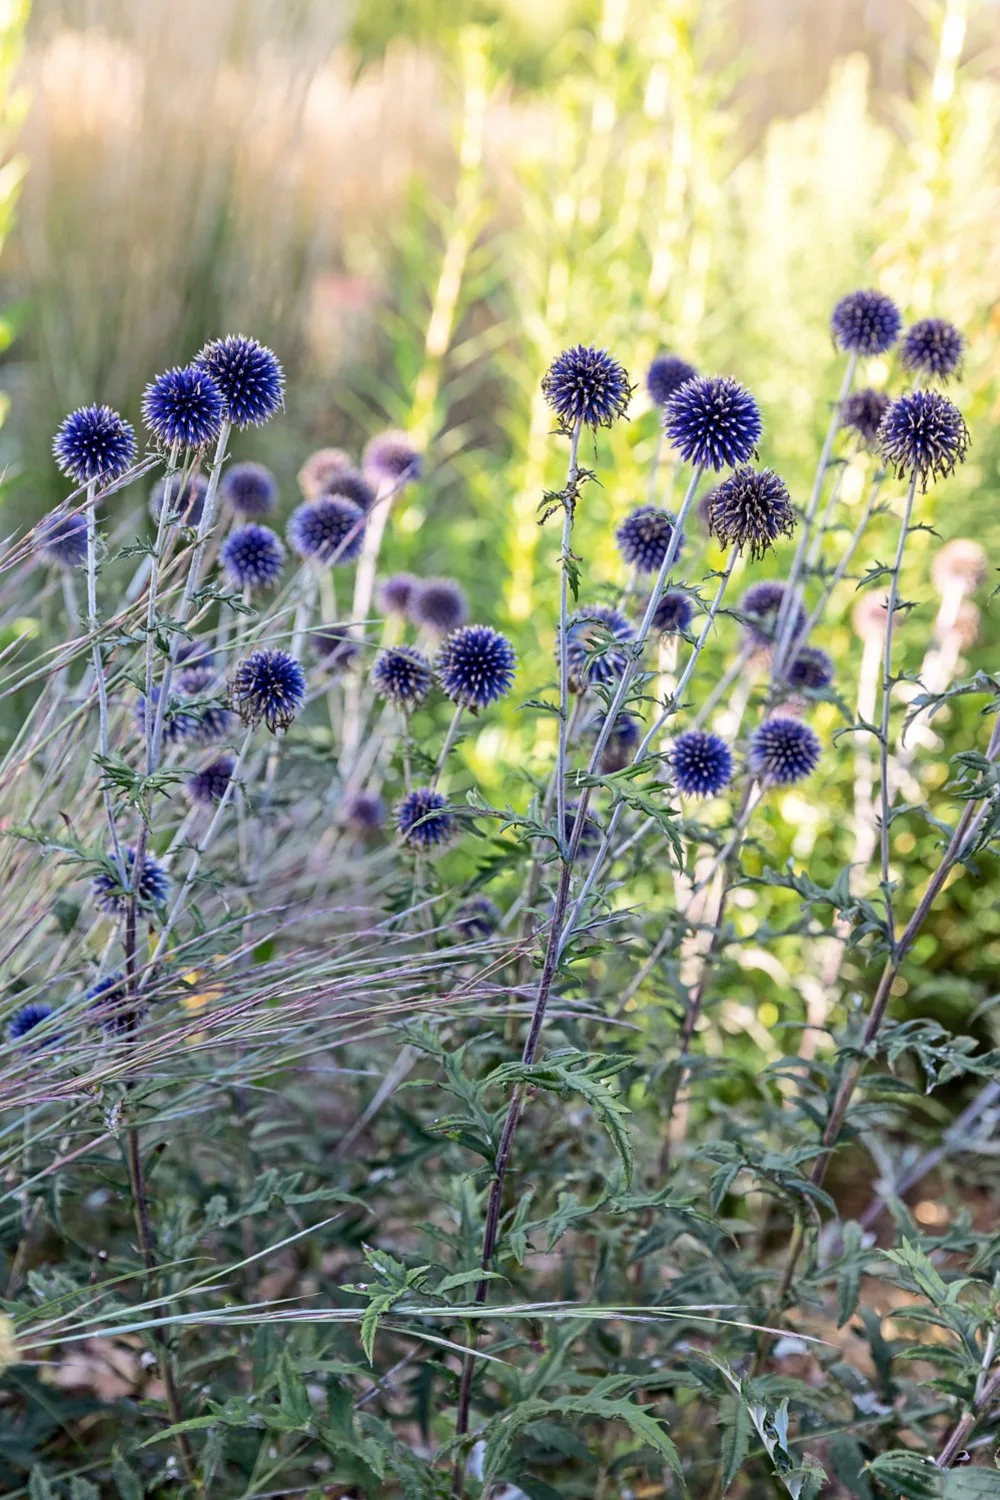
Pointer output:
x,y
923,433
183,406
812,670
403,675
422,819
349,484
933,348
250,490
477,918
319,469
440,605
108,999
213,722
751,509
665,375
328,529
112,897
586,385
396,594
180,723
207,787
364,813
185,501
391,460
590,833
761,609
622,743
249,376
960,563
866,322
61,538
783,751
252,557
702,763
336,650
862,414
195,667
713,422
25,1020
476,666
644,538
94,443
591,658
673,614
268,687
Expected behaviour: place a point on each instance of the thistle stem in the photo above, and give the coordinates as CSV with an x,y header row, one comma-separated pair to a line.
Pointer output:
x,y
565,563
93,626
446,748
885,791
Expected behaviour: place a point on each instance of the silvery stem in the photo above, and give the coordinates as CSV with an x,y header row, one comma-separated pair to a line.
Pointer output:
x,y
449,741
885,794
565,558
154,578
93,626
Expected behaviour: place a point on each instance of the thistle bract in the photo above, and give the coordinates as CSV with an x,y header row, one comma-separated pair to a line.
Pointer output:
x,y
476,666
252,557
644,538
94,443
594,640
153,889
330,529
923,434
268,687
865,322
667,374
403,675
183,406
422,819
62,538
713,422
783,751
440,604
250,490
933,348
249,377
586,385
750,510
701,762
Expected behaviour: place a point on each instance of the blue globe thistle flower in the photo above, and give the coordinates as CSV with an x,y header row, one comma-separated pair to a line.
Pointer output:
x,y
93,443
110,895
866,322
396,594
183,405
186,501
751,509
622,743
933,347
923,433
590,834
349,484
422,820
268,687
337,651
713,422
644,538
476,666
330,528
702,763
440,605
24,1021
862,413
213,722
364,813
673,614
249,376
811,670
195,667
391,459
586,385
180,722
591,658
319,469
761,608
62,538
207,787
250,490
109,1002
252,557
477,918
783,751
667,374
403,675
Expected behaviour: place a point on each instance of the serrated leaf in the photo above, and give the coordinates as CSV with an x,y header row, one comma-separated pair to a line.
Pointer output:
x,y
972,1484
127,1481
39,1487
505,1428
907,1475
735,1440
849,1277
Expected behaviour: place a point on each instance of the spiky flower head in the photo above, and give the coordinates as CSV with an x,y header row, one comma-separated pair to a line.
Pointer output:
x,y
94,443
268,687
185,500
782,751
866,322
960,562
180,723
477,918
422,819
702,763
62,538
364,813
923,433
330,529
586,385
812,670
396,594
622,742
350,484
250,490
667,374
108,999
249,376
252,557
862,414
475,666
207,787
390,459
25,1020
112,897
933,347
403,675
644,538
593,658
183,406
713,422
673,614
751,509
319,469
440,605
214,722
337,651
761,609
195,667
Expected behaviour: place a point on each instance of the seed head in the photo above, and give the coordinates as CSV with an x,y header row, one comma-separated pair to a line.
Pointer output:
x,y
403,675
328,529
185,502
252,557
812,670
862,413
586,385
62,538
396,594
761,609
250,490
422,820
390,459
183,406
923,433
933,348
440,605
751,509
94,443
593,659
112,897
475,666
702,763
268,687
249,376
783,751
665,375
644,538
207,787
673,614
713,422
866,322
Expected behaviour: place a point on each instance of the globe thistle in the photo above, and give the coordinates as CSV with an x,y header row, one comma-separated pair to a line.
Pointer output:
x,y
252,557
622,743
644,538
250,490
62,538
751,509
811,670
93,443
108,999
180,722
112,897
586,385
391,459
923,434
476,666
667,374
195,667
319,469
249,376
185,500
591,659
933,348
713,422
330,528
349,484
396,594
783,751
477,918
268,687
701,762
213,722
869,617
25,1020
761,608
336,650
207,787
403,675
866,322
183,406
440,605
962,563
862,413
673,614
364,813
422,820
590,833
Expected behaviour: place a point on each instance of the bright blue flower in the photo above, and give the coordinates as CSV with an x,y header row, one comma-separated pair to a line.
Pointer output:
x,y
250,490
591,657
422,820
812,669
364,813
154,886
403,675
667,374
923,433
396,594
180,722
476,666
208,786
783,751
348,484
644,538
268,687
183,406
673,614
713,422
702,763
761,608
391,459
249,376
24,1021
933,347
252,557
109,1002
586,385
330,529
440,604
94,443
866,322
62,538
751,509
